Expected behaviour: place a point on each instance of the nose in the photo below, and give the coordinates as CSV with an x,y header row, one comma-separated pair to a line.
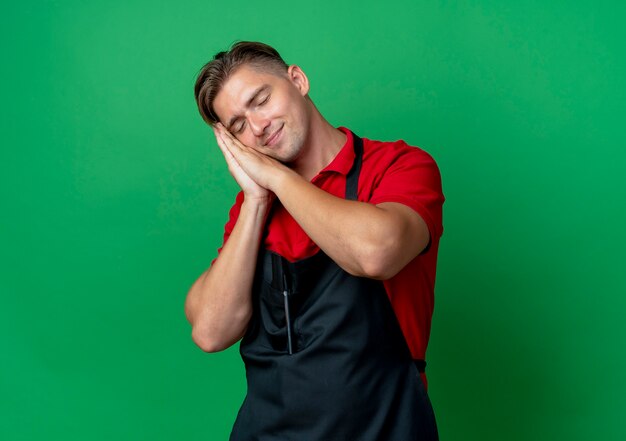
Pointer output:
x,y
258,123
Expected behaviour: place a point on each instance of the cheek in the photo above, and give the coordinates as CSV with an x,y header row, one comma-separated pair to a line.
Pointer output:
x,y
242,139
246,137
283,103
272,110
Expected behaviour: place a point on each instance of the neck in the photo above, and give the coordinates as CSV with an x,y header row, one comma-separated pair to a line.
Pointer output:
x,y
322,145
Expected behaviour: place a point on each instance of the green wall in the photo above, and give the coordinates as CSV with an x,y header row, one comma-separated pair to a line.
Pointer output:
x,y
114,197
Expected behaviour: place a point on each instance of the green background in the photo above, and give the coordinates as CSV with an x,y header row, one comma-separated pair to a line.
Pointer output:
x,y
114,197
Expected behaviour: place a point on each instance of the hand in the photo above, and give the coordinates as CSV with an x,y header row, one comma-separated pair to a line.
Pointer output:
x,y
250,188
264,171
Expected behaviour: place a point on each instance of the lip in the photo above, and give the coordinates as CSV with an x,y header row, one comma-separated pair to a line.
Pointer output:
x,y
273,139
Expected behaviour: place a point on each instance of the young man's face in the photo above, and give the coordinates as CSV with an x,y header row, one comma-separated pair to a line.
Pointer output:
x,y
266,111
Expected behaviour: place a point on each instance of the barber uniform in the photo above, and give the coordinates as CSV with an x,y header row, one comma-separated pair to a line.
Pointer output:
x,y
325,357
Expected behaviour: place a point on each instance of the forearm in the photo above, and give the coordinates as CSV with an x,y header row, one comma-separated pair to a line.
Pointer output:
x,y
363,239
218,305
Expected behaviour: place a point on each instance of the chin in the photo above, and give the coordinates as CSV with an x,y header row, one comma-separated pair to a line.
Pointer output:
x,y
294,150
289,156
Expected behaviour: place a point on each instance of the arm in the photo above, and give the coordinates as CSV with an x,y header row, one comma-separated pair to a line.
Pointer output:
x,y
374,241
368,240
218,304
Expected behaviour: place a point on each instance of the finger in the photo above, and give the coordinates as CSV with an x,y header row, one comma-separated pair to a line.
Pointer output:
x,y
219,134
230,158
222,131
223,135
239,150
228,154
218,137
217,129
231,142
232,150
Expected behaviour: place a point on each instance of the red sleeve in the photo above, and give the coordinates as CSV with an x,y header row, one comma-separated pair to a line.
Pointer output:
x,y
233,215
413,179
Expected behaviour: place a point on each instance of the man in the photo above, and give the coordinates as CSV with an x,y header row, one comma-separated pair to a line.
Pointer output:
x,y
327,270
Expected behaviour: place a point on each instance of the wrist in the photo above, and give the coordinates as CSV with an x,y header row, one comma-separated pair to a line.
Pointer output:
x,y
258,204
282,179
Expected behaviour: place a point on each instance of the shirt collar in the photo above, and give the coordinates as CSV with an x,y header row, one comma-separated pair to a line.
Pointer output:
x,y
345,158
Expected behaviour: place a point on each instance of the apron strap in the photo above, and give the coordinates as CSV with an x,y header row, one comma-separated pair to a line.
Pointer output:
x,y
352,179
420,365
352,187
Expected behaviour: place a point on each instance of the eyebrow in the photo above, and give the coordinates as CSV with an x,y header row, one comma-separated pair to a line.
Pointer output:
x,y
256,93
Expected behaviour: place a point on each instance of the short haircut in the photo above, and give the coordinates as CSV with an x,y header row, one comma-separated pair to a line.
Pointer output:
x,y
214,74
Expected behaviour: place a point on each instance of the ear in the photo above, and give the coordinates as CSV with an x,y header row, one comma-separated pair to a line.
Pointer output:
x,y
299,79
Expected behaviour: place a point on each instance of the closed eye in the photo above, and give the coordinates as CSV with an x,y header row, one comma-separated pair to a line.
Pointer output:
x,y
238,128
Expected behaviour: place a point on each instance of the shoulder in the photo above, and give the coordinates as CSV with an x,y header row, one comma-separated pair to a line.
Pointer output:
x,y
394,171
388,157
394,150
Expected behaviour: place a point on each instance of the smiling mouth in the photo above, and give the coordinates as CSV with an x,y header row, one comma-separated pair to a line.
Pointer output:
x,y
274,137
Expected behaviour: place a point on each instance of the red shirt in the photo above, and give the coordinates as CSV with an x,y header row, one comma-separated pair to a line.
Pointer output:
x,y
391,172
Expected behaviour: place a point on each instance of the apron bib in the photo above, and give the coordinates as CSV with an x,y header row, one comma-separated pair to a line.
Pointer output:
x,y
325,357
